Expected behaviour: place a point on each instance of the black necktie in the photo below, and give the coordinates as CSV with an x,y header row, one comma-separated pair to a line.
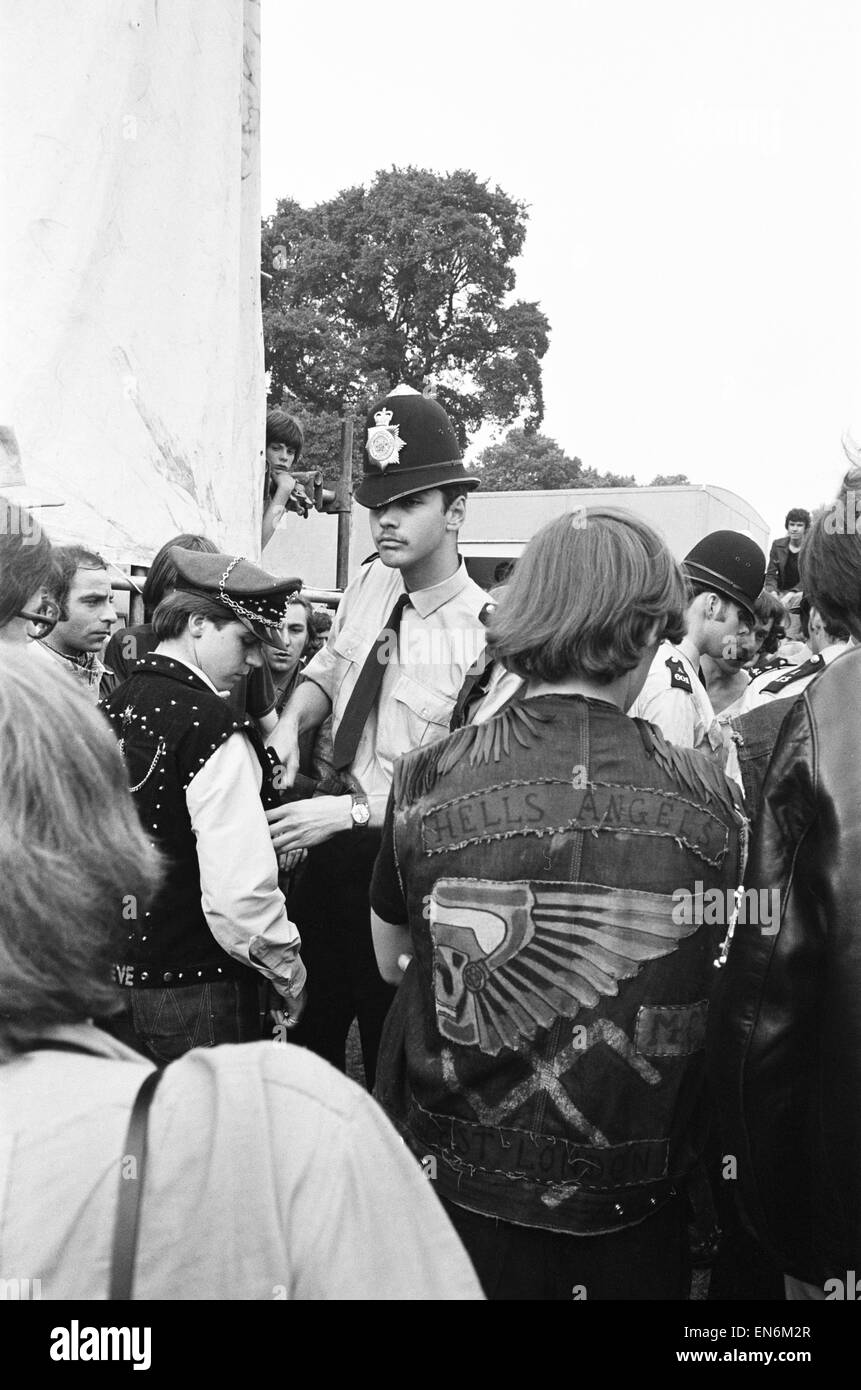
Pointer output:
x,y
366,690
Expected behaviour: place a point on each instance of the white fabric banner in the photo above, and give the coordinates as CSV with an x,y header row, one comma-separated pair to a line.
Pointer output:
x,y
132,351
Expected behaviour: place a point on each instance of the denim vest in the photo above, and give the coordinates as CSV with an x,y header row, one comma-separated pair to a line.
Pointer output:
x,y
544,1054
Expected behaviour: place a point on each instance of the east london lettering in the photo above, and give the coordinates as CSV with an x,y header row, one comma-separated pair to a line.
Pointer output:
x,y
548,1158
549,805
76,1343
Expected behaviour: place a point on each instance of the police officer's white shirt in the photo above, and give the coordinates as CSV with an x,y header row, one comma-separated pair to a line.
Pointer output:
x,y
757,694
440,639
239,893
684,717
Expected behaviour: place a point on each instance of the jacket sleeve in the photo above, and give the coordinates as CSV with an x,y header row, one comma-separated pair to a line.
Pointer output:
x,y
763,1046
772,574
239,893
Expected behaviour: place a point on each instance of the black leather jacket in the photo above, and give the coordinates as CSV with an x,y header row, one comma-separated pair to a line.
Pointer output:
x,y
786,1039
775,577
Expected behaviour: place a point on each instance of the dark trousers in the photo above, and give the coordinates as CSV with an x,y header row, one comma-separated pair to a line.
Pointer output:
x,y
525,1263
330,906
164,1024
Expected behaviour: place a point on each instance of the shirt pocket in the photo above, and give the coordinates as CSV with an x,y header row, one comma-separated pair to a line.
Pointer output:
x,y
349,647
427,712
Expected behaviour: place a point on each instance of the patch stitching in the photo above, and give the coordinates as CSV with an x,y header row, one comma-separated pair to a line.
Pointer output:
x,y
466,797
461,1165
701,1006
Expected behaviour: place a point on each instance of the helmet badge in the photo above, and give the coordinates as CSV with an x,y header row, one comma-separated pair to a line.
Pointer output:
x,y
384,445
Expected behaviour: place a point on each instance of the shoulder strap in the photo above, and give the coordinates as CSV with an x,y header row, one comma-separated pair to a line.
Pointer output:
x,y
131,1192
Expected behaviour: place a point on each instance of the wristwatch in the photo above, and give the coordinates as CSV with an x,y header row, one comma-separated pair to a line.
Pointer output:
x,y
360,810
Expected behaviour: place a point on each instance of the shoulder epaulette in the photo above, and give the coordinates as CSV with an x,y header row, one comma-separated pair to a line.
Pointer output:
x,y
795,673
780,664
679,678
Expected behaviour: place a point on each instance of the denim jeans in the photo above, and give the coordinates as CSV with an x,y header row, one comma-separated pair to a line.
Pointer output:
x,y
166,1023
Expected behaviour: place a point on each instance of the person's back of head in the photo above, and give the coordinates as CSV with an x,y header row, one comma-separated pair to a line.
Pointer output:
x,y
26,567
584,597
830,560
72,852
162,575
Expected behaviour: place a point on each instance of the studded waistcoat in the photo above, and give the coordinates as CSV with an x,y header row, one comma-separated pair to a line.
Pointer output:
x,y
169,723
546,1047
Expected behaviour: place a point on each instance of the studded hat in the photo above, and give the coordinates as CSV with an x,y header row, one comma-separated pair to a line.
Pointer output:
x,y
254,598
410,446
729,563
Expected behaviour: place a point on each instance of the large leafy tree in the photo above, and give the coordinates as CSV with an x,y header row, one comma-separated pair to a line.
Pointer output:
x,y
526,460
408,280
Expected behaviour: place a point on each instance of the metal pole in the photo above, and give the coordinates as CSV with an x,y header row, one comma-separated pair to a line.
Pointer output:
x,y
136,607
342,563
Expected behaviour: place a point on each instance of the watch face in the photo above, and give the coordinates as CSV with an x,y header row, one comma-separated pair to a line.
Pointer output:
x,y
361,813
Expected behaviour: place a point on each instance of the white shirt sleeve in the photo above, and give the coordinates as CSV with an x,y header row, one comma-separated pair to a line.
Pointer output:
x,y
672,710
239,893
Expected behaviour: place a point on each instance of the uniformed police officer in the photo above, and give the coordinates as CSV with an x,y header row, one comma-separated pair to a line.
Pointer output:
x,y
725,573
406,633
194,962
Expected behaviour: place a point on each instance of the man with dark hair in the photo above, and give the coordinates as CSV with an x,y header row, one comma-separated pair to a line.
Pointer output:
x,y
826,639
406,632
284,441
199,774
724,572
782,576
87,615
301,642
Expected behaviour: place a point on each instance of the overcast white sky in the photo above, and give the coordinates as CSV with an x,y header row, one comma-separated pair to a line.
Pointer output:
x,y
695,211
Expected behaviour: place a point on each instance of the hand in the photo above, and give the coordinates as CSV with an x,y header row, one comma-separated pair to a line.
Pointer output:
x,y
302,824
289,1011
290,859
284,484
299,501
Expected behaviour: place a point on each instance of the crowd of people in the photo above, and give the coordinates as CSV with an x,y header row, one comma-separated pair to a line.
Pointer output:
x,y
527,844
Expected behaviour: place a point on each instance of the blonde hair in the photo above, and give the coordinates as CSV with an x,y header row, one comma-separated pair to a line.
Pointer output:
x,y
584,595
75,863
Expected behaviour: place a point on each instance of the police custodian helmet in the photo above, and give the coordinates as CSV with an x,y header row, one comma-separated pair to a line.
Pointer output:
x,y
410,446
729,563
